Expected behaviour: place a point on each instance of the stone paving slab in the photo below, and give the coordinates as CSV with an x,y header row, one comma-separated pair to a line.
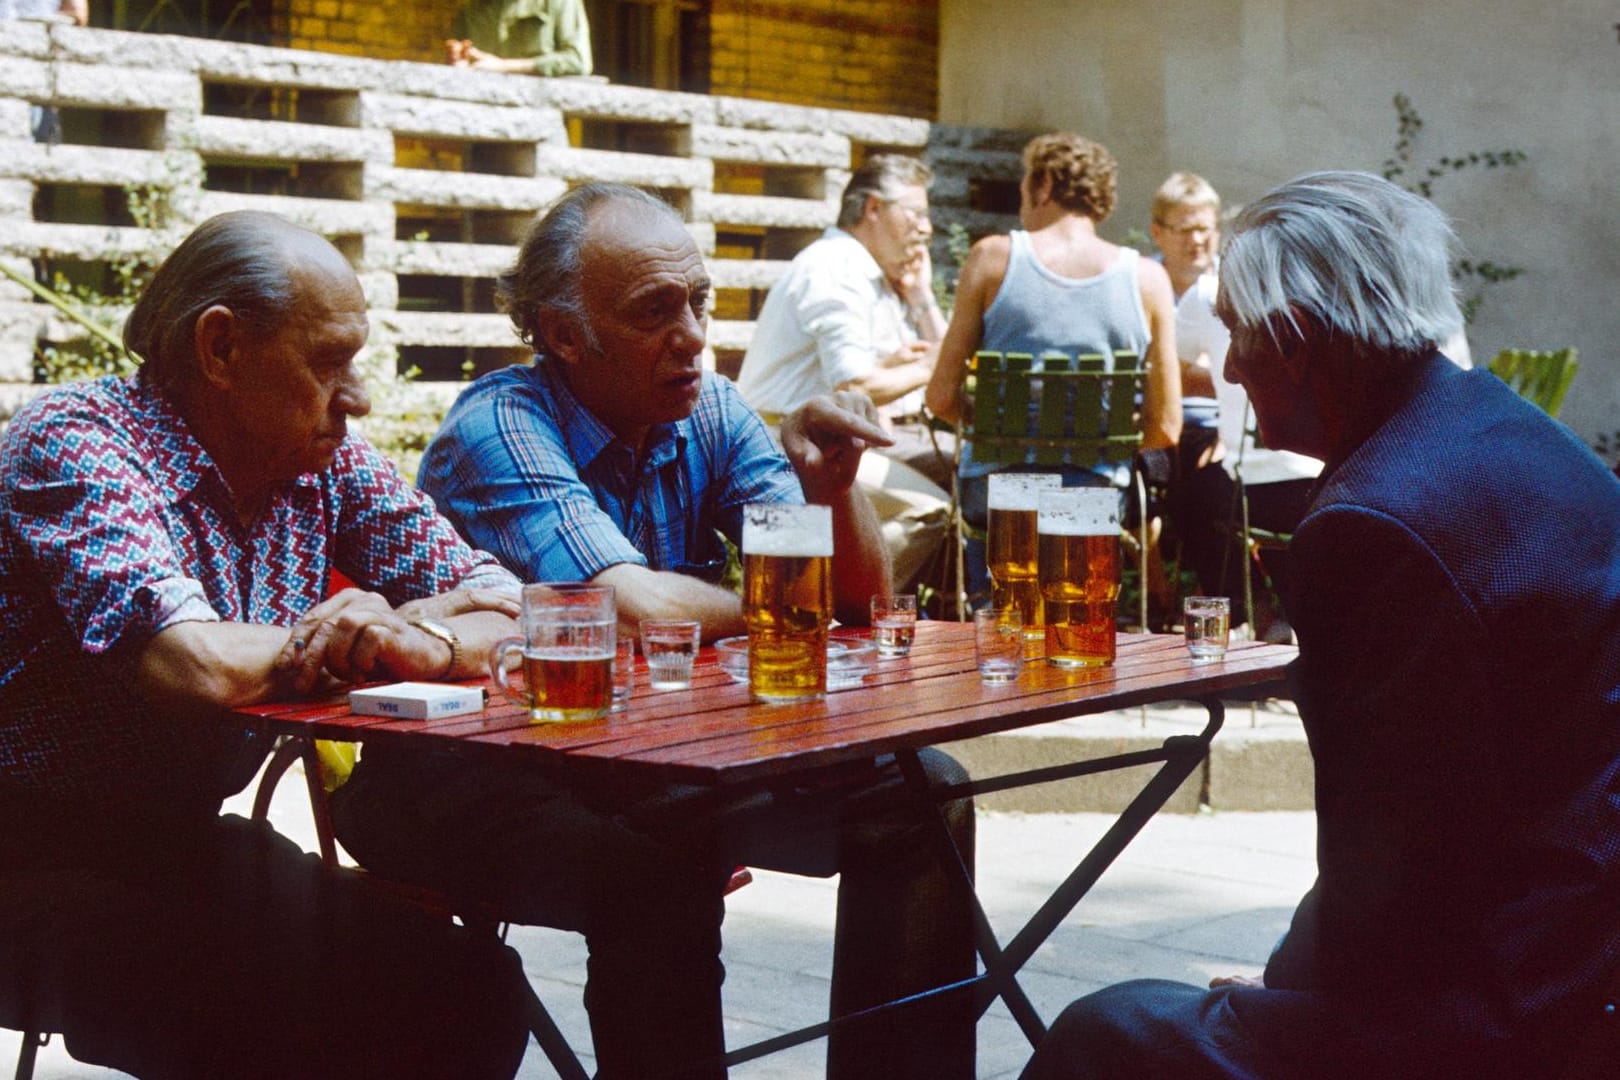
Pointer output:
x,y
1196,895
1258,761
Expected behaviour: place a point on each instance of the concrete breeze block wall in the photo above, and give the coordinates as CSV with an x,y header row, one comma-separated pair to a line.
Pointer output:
x,y
333,131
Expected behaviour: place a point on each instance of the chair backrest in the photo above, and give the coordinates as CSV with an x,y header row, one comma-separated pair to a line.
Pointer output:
x,y
1078,410
1541,377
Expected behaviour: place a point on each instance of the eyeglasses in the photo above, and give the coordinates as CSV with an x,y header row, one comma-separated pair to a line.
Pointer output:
x,y
1186,230
913,213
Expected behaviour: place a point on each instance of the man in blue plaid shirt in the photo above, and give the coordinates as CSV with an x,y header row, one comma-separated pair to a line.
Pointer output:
x,y
614,458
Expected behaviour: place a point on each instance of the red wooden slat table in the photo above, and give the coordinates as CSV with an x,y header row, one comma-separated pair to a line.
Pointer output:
x,y
714,734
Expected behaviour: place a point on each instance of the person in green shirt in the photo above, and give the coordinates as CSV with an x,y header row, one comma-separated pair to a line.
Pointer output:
x,y
525,37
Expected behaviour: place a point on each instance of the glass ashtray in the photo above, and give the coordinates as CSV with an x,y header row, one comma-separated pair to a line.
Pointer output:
x,y
849,659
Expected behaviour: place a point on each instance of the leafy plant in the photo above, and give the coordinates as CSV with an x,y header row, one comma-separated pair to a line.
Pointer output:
x,y
957,244
403,419
1140,240
94,306
1400,168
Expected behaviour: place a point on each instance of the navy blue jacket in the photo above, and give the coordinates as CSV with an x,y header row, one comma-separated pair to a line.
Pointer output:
x,y
1455,586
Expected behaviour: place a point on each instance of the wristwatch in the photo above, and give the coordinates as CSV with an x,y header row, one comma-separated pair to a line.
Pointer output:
x,y
434,628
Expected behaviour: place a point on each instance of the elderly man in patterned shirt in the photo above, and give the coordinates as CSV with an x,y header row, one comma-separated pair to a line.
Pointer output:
x,y
615,458
166,542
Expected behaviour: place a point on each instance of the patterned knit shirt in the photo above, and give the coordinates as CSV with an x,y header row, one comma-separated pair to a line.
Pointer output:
x,y
116,524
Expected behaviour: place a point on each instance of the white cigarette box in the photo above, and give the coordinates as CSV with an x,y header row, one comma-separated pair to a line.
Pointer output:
x,y
417,701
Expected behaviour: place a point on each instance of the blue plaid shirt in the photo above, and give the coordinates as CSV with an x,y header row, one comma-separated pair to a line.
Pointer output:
x,y
526,472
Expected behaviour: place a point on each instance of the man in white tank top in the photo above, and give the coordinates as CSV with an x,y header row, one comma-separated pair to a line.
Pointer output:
x,y
1057,285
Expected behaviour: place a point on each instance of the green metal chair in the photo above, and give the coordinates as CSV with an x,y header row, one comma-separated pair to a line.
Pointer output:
x,y
1541,377
1072,410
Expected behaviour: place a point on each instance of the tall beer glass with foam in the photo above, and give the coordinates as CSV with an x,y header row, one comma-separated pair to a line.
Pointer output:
x,y
1079,574
1010,551
787,599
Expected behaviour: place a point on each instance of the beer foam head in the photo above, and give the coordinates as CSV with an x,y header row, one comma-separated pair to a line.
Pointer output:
x,y
1020,491
1078,512
792,531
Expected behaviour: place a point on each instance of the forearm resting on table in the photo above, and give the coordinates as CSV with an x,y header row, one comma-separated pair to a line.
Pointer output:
x,y
643,593
220,664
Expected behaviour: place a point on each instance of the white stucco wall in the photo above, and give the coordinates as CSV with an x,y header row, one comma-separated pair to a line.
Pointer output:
x,y
1251,92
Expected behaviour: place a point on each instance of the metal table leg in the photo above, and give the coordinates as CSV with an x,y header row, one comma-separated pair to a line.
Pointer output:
x,y
1179,756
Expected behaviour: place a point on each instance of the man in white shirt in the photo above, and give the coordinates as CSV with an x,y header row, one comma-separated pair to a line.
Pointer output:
x,y
856,310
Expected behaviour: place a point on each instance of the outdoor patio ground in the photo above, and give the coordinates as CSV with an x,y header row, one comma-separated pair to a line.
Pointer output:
x,y
1196,895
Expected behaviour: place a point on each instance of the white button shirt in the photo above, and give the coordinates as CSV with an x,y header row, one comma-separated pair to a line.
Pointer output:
x,y
828,320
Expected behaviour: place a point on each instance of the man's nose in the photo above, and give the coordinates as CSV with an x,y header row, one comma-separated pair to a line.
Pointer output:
x,y
1229,370
352,397
691,334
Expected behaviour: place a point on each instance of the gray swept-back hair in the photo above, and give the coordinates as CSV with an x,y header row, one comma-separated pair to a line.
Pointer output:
x,y
547,274
238,260
1364,258
883,177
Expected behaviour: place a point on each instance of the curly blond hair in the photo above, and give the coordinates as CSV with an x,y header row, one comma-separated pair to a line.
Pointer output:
x,y
1083,173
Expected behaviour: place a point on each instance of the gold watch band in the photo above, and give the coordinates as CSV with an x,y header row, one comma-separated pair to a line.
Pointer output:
x,y
437,629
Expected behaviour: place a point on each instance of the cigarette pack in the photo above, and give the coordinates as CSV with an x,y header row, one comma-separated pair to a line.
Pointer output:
x,y
417,701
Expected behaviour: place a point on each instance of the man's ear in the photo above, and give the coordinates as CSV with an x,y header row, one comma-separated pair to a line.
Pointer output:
x,y
871,208
1299,339
559,336
1040,192
213,341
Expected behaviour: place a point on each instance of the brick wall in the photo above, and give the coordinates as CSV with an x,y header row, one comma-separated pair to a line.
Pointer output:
x,y
398,30
872,55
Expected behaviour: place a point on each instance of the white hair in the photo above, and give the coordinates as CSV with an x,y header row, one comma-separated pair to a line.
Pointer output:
x,y
1367,260
884,177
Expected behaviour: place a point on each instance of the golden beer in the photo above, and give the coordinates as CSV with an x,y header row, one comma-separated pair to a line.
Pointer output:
x,y
1011,553
565,652
787,600
1078,553
568,683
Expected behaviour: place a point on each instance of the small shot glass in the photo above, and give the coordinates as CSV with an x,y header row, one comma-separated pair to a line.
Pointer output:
x,y
1207,620
998,644
670,646
894,623
624,672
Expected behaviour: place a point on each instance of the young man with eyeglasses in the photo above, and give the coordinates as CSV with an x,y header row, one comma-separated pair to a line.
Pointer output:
x,y
1201,505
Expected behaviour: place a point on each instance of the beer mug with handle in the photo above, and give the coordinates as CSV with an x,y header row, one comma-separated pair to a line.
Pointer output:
x,y
565,653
